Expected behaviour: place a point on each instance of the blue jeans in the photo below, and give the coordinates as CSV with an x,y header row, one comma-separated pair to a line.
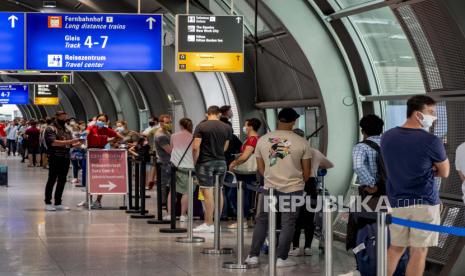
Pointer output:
x,y
232,194
84,171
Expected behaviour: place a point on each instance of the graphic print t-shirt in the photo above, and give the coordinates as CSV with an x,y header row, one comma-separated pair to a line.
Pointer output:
x,y
282,152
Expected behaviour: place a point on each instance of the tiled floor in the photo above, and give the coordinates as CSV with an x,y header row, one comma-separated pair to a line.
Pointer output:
x,y
105,242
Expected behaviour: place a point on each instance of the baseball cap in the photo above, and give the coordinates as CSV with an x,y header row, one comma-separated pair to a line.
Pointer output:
x,y
287,115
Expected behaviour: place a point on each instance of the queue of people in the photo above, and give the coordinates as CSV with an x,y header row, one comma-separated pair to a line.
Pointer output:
x,y
401,164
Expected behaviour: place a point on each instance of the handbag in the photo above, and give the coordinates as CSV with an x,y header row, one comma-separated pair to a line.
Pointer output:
x,y
248,167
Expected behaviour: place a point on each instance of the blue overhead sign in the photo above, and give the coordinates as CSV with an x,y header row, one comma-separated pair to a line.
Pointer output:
x,y
94,42
11,41
14,94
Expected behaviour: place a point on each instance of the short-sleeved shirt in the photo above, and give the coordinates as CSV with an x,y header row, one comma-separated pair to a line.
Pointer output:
x,y
283,152
60,133
98,137
180,141
460,164
251,142
161,140
409,155
214,135
33,135
2,130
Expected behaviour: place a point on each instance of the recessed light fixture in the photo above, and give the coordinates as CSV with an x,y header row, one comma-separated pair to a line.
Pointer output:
x,y
50,4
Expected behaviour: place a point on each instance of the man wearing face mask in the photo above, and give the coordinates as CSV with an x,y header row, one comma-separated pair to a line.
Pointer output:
x,y
413,157
59,140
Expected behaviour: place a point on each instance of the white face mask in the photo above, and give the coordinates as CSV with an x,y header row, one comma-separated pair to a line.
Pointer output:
x,y
427,121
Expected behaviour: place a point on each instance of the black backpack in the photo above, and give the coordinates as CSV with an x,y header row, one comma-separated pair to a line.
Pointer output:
x,y
381,182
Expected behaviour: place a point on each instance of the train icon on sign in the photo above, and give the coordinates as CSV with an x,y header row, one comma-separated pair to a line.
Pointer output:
x,y
55,22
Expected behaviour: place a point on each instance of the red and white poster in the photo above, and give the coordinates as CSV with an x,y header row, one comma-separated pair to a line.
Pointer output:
x,y
107,171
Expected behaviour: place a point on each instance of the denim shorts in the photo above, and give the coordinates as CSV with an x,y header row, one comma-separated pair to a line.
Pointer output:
x,y
206,172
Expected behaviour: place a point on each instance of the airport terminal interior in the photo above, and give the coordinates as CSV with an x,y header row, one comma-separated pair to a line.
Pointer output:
x,y
147,64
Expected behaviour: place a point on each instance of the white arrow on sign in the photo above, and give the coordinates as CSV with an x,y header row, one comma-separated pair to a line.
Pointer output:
x,y
151,20
110,186
13,20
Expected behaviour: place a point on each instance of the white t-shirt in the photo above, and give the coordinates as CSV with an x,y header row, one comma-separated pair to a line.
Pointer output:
x,y
460,164
179,142
317,159
282,152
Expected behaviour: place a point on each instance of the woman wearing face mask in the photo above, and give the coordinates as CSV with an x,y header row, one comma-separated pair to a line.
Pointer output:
x,y
98,137
251,127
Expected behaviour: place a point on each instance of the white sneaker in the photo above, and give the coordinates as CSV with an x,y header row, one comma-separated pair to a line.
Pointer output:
x,y
61,208
352,273
82,203
308,252
49,207
204,228
295,252
285,263
251,260
167,217
183,218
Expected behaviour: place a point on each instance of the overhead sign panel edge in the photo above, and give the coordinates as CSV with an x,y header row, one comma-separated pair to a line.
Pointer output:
x,y
12,41
94,42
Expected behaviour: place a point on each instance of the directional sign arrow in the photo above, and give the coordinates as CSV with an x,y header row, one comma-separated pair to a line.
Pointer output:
x,y
110,186
151,20
13,20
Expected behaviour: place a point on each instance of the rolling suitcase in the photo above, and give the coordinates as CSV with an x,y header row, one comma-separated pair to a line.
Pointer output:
x,y
4,175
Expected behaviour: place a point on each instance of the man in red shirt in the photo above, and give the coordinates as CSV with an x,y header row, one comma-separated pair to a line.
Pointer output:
x,y
32,138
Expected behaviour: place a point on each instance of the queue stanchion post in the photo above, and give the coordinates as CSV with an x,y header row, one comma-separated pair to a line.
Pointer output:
x,y
159,219
173,194
127,197
328,234
142,177
239,264
381,244
136,195
272,232
217,250
190,215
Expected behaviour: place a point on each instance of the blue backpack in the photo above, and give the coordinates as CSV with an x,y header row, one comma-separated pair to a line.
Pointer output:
x,y
365,253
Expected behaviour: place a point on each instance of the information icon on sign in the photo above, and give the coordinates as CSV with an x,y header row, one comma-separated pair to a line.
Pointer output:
x,y
55,60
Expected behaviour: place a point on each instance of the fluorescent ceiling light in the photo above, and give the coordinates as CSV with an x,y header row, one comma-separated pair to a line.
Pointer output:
x,y
49,4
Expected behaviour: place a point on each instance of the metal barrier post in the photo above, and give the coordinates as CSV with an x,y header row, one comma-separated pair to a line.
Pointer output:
x,y
173,194
190,215
328,234
142,177
159,219
272,232
216,250
239,264
381,244
130,203
136,194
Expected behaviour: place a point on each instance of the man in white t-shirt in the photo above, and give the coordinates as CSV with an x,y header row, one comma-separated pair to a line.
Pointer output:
x,y
460,166
284,160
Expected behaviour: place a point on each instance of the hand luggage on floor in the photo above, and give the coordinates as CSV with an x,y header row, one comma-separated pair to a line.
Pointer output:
x,y
365,253
4,175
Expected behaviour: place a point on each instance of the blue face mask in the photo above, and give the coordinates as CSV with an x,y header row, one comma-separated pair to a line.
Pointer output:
x,y
100,124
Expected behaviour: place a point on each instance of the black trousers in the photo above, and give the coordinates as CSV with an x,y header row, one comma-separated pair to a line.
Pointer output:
x,y
306,221
57,173
11,144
